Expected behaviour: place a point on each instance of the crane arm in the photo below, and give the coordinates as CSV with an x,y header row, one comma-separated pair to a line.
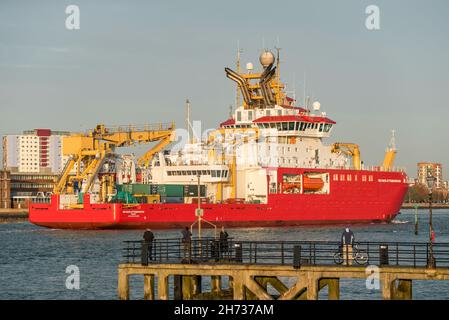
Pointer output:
x,y
93,148
146,158
128,135
351,150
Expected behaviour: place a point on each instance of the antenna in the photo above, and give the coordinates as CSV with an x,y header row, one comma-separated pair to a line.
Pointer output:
x,y
294,88
305,83
188,119
392,145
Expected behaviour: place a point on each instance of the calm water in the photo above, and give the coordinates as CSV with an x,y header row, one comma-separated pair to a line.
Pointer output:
x,y
33,260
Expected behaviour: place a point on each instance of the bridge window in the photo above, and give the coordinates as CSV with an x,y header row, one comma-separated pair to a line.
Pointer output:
x,y
327,127
284,126
291,126
321,127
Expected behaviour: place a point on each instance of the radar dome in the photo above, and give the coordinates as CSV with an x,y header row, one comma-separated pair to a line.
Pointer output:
x,y
266,58
316,106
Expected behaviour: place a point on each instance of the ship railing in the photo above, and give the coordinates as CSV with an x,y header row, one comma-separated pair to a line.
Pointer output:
x,y
381,169
294,253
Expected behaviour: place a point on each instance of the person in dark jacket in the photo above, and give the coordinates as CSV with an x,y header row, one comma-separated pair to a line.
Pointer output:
x,y
148,238
347,242
186,240
223,242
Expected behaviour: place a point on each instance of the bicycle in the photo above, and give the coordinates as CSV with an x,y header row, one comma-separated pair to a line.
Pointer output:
x,y
359,256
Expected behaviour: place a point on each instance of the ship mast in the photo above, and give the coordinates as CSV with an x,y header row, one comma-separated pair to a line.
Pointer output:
x,y
278,77
237,97
188,120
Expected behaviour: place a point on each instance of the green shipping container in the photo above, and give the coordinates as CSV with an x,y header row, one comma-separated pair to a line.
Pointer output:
x,y
192,190
139,188
170,190
124,188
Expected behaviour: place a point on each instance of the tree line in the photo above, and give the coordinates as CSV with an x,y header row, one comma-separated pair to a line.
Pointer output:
x,y
419,193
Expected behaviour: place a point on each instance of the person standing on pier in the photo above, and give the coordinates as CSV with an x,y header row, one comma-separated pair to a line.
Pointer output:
x,y
148,238
186,241
347,242
223,242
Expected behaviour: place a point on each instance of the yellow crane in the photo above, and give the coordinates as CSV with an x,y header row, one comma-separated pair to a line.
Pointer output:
x,y
350,149
390,154
88,152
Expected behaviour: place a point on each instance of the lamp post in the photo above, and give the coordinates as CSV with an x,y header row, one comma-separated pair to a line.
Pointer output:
x,y
430,185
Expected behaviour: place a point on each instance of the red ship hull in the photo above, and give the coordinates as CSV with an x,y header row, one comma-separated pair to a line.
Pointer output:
x,y
368,196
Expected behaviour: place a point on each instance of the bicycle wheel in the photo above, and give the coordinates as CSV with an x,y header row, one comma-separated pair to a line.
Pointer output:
x,y
361,258
338,259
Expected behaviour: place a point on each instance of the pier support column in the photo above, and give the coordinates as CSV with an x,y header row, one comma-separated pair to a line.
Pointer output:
x,y
230,283
403,290
186,287
312,286
216,284
333,287
191,286
196,285
238,287
387,283
162,286
148,287
123,284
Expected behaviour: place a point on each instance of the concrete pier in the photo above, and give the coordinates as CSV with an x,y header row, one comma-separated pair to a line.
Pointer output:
x,y
251,282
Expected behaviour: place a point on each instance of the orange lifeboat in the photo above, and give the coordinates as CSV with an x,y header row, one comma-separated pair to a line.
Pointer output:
x,y
313,184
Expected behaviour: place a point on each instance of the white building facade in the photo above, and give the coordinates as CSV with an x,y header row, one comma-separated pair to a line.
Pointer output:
x,y
35,151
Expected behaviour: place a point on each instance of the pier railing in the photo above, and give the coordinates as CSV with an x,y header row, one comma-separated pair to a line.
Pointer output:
x,y
296,253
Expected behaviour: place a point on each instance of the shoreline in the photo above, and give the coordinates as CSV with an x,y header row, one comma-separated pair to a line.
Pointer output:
x,y
424,206
13,215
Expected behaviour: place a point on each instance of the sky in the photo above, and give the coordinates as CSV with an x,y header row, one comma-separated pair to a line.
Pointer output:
x,y
136,62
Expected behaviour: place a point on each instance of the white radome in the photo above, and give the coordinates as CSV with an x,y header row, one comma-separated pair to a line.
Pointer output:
x,y
316,106
249,66
266,58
